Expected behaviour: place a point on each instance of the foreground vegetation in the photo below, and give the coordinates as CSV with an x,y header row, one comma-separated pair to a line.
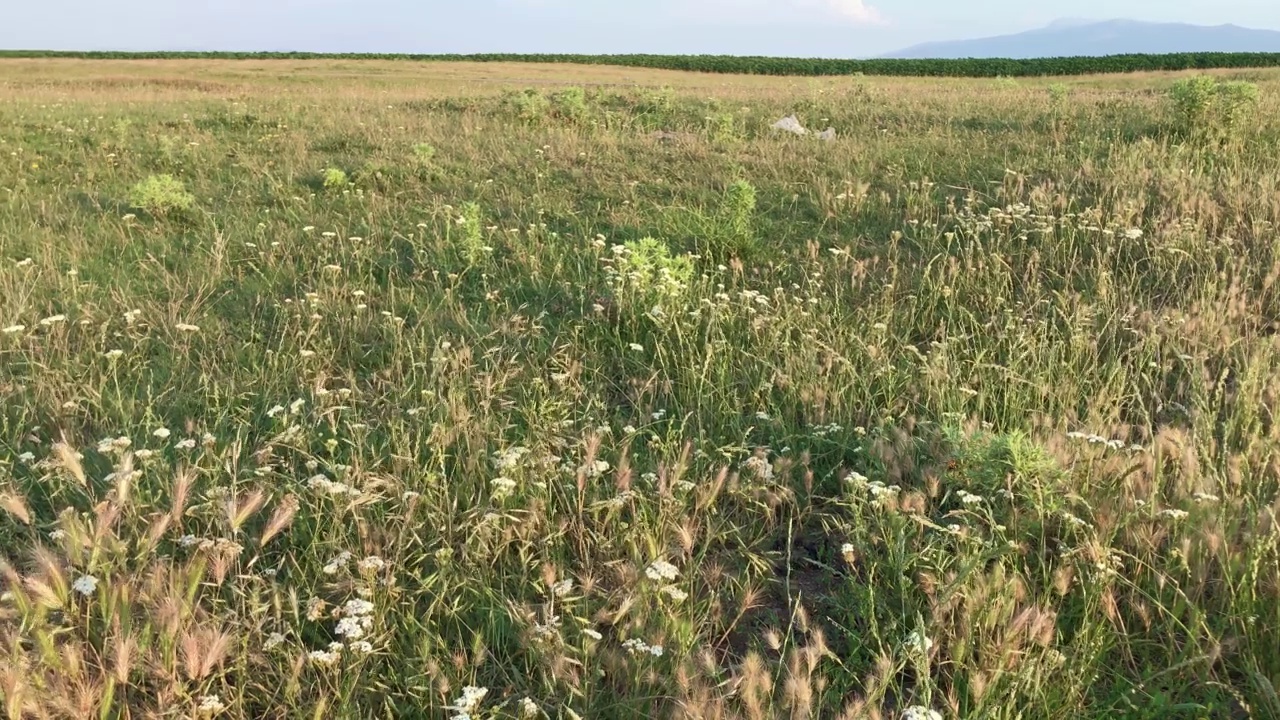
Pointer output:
x,y
376,391
738,64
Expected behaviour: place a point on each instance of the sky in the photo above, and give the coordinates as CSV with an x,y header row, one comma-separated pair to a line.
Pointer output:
x,y
808,28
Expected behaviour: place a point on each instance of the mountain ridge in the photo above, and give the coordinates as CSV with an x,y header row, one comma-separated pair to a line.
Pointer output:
x,y
1071,37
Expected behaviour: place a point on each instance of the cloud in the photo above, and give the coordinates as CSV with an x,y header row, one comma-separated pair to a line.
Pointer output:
x,y
855,11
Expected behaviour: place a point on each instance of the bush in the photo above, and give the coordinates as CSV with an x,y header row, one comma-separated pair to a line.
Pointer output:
x,y
160,194
738,217
334,179
424,153
571,103
1207,110
649,269
529,105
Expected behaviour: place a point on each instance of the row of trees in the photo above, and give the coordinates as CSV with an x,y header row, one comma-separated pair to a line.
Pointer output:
x,y
973,67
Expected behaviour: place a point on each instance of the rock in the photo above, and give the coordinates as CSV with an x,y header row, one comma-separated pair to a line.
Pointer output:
x,y
828,134
790,124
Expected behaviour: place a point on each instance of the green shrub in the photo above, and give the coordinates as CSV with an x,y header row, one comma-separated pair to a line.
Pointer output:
x,y
737,215
648,269
160,194
1207,110
571,103
424,153
470,241
722,127
529,105
334,179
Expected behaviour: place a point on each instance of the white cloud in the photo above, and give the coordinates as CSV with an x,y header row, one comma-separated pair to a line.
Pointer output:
x,y
856,11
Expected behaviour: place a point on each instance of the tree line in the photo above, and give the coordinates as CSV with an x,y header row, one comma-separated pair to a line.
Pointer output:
x,y
970,67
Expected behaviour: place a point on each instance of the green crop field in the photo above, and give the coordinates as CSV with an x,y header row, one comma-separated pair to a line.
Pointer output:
x,y
370,389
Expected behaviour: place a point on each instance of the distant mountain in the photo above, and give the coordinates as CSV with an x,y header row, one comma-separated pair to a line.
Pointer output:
x,y
1108,37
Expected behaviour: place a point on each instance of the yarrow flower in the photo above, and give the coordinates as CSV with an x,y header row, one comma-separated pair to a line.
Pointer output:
x,y
211,705
273,641
469,701
636,646
324,657
675,593
919,712
86,585
662,570
371,564
918,642
501,488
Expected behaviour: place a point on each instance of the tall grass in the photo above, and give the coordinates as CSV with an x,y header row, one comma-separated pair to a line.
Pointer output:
x,y
965,414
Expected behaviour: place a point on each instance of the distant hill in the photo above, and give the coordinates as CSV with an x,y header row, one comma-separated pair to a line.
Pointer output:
x,y
1074,38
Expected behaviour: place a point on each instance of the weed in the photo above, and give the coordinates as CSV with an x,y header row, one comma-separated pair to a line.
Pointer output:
x,y
334,179
161,194
1208,110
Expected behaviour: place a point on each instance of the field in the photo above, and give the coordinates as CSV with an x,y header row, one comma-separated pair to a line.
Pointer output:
x,y
364,389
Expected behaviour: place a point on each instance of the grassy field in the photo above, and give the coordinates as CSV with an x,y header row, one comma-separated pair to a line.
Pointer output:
x,y
374,390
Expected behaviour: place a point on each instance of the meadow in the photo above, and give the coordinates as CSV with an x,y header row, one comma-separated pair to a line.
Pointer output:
x,y
364,389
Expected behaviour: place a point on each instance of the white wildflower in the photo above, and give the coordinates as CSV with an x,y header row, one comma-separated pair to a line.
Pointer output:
x,y
501,488
160,433
469,701
86,585
918,642
594,635
211,705
13,329
562,588
351,628
53,320
528,709
323,657
918,712
273,641
1174,514
187,328
662,570
675,593
371,564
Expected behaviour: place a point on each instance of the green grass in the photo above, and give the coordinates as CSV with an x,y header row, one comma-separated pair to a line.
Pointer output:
x,y
969,409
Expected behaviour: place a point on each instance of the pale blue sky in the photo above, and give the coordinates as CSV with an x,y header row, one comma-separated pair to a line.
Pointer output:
x,y
832,28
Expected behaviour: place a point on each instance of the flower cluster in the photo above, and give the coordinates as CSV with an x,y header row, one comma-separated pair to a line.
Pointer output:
x,y
636,646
